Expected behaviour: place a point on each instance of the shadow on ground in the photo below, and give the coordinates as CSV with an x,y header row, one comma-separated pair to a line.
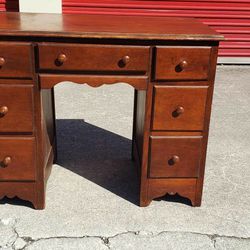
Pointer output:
x,y
98,155
102,157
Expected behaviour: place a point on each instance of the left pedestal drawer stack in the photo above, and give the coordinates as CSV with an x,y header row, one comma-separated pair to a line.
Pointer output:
x,y
17,139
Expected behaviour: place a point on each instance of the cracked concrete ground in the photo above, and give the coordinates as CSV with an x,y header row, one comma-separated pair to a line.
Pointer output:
x,y
92,193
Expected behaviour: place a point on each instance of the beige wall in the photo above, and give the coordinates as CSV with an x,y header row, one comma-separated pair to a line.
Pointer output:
x,y
41,6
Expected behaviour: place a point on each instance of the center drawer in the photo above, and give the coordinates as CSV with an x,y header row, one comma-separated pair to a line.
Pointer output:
x,y
17,158
93,57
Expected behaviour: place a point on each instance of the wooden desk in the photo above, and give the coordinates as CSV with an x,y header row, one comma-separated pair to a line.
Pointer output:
x,y
170,62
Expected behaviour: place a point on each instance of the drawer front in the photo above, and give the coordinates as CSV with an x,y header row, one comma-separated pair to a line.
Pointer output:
x,y
174,156
93,58
16,108
15,60
17,159
182,63
179,108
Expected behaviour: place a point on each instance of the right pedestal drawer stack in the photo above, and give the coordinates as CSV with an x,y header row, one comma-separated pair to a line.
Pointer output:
x,y
181,105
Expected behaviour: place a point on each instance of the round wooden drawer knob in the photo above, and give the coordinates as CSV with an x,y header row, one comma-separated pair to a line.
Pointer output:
x,y
61,58
3,111
178,111
2,61
6,161
124,61
181,66
174,159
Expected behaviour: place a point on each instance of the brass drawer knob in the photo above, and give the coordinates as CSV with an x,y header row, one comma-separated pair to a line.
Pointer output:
x,y
178,111
3,111
174,159
181,66
61,58
5,162
2,61
124,61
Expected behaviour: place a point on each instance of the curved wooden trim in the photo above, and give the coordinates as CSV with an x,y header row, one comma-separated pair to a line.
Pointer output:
x,y
184,187
23,190
48,81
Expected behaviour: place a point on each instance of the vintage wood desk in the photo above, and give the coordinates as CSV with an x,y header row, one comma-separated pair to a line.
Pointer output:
x,y
170,62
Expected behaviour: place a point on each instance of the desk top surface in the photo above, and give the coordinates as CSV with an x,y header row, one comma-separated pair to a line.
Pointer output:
x,y
104,26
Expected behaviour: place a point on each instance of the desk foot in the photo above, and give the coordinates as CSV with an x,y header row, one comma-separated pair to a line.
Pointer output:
x,y
22,190
145,203
40,204
196,202
158,188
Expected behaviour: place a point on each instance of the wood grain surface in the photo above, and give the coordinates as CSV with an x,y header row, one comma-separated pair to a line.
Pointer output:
x,y
104,26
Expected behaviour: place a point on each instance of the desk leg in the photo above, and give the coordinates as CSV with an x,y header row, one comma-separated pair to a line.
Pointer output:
x,y
54,124
45,141
134,125
144,107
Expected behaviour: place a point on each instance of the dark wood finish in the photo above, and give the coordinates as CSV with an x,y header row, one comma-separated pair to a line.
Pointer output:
x,y
17,159
16,108
21,189
175,156
182,186
134,127
200,180
16,81
182,63
48,81
176,133
140,109
15,59
170,62
93,57
179,108
105,26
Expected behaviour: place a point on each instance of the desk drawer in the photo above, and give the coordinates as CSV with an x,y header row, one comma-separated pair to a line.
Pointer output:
x,y
93,57
17,158
179,108
16,108
15,60
175,156
182,63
